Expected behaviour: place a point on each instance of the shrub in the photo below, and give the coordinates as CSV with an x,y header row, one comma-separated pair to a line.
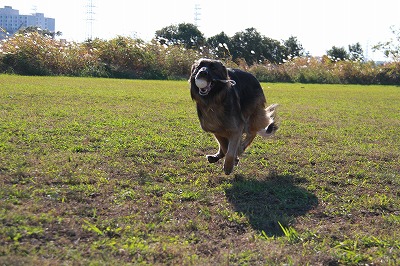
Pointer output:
x,y
35,54
389,73
28,54
178,61
270,73
123,57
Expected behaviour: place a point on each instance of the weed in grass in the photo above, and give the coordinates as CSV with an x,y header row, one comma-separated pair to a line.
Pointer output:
x,y
348,250
291,233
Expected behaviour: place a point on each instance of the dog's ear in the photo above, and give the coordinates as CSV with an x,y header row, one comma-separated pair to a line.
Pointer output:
x,y
223,70
194,66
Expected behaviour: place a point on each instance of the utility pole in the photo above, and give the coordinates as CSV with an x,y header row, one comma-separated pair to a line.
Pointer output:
x,y
89,19
366,51
197,14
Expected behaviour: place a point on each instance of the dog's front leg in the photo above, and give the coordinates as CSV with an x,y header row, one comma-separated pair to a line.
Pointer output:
x,y
223,147
231,154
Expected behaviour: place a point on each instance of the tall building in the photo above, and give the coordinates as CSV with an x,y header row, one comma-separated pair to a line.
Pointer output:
x,y
11,21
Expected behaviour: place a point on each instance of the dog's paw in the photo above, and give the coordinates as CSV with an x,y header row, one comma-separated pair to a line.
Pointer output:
x,y
228,170
228,166
213,158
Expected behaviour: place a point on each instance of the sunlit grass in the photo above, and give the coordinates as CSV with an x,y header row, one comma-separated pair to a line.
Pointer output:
x,y
113,172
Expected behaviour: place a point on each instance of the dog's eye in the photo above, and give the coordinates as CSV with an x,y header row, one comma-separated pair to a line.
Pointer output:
x,y
196,69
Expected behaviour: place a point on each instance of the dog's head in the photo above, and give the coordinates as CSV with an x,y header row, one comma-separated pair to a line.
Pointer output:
x,y
206,76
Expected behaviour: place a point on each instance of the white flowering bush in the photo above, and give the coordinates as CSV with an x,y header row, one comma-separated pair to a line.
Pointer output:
x,y
124,57
29,53
324,70
35,54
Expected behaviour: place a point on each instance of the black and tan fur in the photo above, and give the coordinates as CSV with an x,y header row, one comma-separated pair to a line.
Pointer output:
x,y
234,111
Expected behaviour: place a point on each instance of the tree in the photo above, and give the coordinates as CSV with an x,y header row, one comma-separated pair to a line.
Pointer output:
x,y
255,48
273,51
247,44
337,53
293,47
185,34
391,48
220,45
356,53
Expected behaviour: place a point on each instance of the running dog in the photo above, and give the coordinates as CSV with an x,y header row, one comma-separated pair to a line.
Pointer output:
x,y
231,105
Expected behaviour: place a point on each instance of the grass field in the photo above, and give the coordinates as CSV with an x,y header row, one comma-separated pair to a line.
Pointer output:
x,y
112,172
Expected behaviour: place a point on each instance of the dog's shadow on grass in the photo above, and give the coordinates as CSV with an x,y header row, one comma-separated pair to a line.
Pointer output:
x,y
266,202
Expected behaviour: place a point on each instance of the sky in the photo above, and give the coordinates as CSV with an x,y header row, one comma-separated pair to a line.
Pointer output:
x,y
317,24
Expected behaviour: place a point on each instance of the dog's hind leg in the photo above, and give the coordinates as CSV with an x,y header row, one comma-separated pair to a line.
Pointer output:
x,y
223,147
246,142
231,154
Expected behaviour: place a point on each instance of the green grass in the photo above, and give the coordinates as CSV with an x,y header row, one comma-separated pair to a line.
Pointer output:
x,y
103,171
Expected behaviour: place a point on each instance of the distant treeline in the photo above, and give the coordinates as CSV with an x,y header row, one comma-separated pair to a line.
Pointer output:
x,y
34,53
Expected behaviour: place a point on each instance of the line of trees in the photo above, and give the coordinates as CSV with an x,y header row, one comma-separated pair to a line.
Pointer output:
x,y
248,45
173,50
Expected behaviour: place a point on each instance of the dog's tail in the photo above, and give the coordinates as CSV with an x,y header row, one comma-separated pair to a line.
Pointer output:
x,y
272,126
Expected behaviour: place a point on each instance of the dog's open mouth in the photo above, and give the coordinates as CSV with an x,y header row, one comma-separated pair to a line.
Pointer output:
x,y
203,85
204,91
